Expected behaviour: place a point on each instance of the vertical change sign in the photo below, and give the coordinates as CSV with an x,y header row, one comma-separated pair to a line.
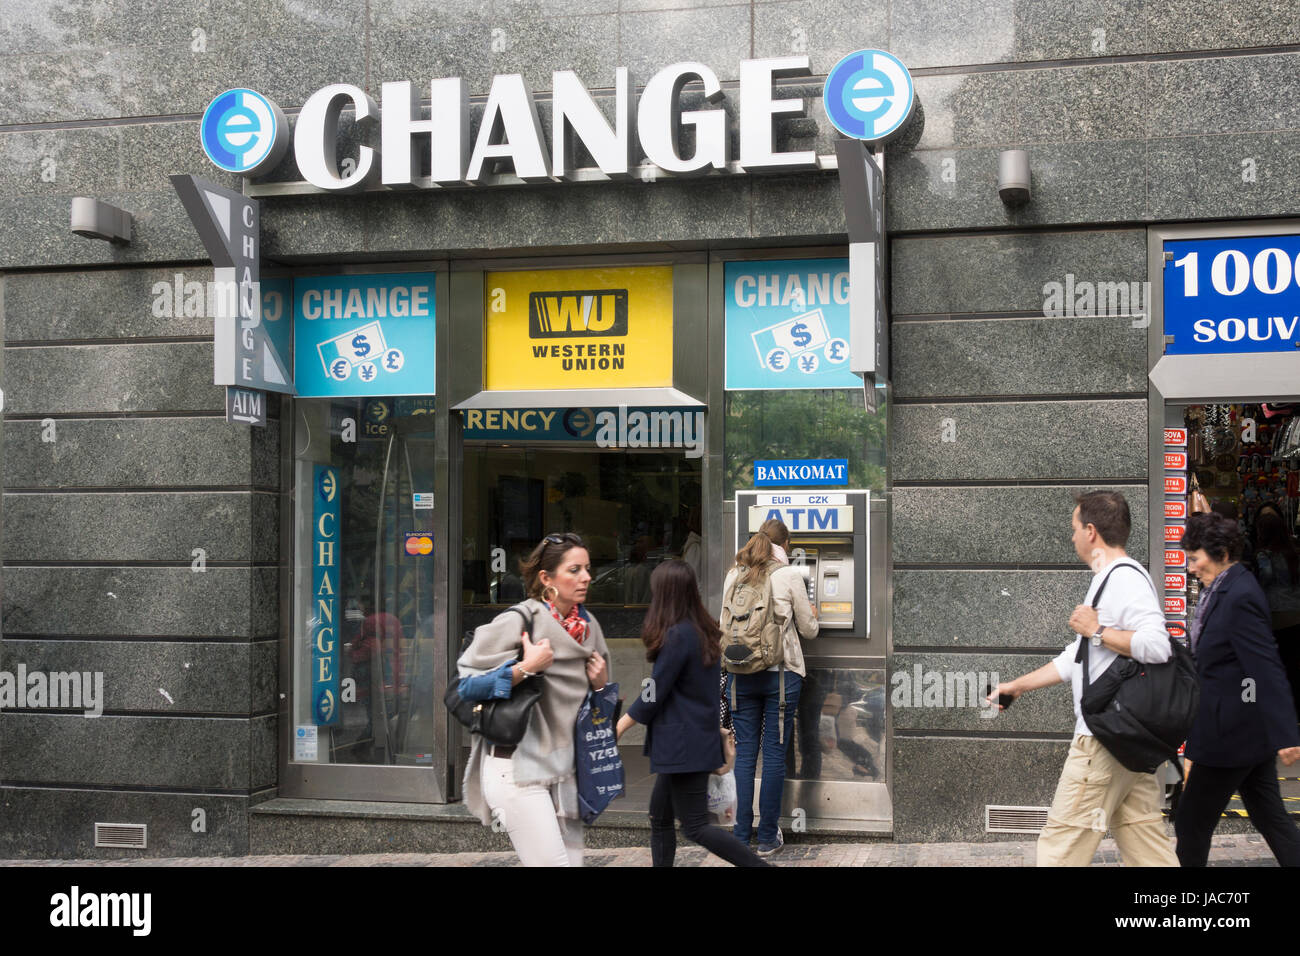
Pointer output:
x,y
326,549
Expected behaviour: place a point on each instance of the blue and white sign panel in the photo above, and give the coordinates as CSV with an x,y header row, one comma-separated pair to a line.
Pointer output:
x,y
364,335
244,132
869,95
326,557
787,324
801,472
276,302
1240,294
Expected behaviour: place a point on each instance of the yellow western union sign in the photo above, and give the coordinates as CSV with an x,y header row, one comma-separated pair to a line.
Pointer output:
x,y
580,328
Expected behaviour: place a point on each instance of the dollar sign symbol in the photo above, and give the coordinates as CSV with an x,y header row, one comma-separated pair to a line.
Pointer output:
x,y
360,346
799,332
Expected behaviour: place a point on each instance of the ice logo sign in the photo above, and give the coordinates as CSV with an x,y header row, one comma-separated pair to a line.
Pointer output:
x,y
799,343
869,95
362,350
244,132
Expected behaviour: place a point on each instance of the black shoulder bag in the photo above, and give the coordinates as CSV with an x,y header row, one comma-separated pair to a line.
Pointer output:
x,y
1140,712
501,722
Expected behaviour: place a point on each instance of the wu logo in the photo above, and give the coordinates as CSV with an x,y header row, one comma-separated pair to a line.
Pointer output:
x,y
582,312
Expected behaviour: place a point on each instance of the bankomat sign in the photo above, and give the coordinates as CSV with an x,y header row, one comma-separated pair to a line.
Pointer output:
x,y
868,95
791,474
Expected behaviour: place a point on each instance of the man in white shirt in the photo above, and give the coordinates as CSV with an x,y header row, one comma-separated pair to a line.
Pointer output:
x,y
1096,792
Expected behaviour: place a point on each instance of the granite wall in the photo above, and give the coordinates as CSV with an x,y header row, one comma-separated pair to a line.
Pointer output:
x,y
117,464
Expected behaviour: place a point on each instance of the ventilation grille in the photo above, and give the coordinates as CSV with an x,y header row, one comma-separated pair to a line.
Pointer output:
x,y
122,836
1014,819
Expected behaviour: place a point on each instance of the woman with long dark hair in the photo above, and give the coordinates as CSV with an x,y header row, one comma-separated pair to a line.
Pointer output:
x,y
680,710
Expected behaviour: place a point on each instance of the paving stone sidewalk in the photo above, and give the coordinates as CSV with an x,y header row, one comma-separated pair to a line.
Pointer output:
x,y
1229,850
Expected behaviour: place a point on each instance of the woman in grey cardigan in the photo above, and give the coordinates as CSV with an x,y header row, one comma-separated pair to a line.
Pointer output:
x,y
531,787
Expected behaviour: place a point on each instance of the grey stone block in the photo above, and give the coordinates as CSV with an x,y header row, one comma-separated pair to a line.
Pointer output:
x,y
1224,25
942,784
262,751
950,274
1072,183
977,357
60,824
826,31
1003,525
60,86
163,676
56,26
938,695
165,22
220,603
1020,441
318,225
961,609
809,205
227,525
1238,94
955,110
677,210
48,306
112,378
166,752
168,77
927,33
1084,103
139,453
263,676
718,36
65,162
1227,176
1050,30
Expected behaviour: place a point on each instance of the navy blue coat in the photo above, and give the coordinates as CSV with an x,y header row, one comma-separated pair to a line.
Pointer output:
x,y
681,717
1236,643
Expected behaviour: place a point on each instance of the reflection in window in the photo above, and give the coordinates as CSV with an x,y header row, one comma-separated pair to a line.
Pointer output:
x,y
804,424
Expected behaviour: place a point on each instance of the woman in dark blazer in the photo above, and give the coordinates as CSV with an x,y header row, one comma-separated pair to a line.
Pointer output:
x,y
680,710
1245,720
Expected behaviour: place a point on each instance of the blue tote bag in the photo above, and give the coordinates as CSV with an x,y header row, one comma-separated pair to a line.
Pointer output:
x,y
600,768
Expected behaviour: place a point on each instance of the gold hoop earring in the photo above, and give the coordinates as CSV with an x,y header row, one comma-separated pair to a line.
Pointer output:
x,y
550,587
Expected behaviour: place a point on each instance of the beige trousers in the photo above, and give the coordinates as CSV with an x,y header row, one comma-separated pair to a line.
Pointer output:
x,y
1097,793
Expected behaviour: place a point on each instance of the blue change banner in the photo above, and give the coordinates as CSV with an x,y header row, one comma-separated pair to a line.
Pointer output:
x,y
801,472
326,553
364,335
277,302
787,324
1232,295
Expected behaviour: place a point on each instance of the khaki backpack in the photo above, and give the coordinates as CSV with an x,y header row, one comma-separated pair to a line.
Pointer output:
x,y
752,631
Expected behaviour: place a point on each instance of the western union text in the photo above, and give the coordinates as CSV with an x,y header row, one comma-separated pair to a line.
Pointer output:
x,y
584,357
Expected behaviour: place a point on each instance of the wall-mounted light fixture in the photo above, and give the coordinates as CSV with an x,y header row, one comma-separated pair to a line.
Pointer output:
x,y
96,219
1013,176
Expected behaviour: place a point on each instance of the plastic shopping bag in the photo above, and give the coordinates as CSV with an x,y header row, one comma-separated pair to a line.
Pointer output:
x,y
600,768
722,797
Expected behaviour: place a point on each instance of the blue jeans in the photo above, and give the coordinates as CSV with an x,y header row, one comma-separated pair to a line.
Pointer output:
x,y
754,717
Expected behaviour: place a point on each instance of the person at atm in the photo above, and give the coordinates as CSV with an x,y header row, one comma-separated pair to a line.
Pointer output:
x,y
764,701
1245,720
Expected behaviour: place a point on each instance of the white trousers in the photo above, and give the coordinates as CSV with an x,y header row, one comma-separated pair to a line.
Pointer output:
x,y
539,836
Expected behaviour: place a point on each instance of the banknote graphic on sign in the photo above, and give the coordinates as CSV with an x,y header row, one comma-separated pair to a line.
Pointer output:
x,y
793,342
363,349
583,312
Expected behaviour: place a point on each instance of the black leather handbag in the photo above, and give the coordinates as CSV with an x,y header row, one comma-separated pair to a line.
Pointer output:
x,y
501,722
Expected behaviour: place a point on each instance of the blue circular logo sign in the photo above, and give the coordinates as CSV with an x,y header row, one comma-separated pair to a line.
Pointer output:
x,y
244,132
869,95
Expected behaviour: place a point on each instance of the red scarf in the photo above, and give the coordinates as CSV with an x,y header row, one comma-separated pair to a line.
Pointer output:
x,y
572,622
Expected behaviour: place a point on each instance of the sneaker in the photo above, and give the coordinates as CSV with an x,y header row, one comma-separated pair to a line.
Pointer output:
x,y
767,849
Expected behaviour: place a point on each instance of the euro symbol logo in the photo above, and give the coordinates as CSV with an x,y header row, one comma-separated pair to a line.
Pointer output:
x,y
799,332
325,707
869,95
340,369
778,360
328,485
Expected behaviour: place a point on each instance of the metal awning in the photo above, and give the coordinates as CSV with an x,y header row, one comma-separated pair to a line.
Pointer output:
x,y
581,398
1243,377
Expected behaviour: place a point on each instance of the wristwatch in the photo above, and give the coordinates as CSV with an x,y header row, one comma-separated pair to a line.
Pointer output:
x,y
1096,638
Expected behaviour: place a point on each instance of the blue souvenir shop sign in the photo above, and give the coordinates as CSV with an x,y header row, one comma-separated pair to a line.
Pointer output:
x,y
364,335
1240,294
787,324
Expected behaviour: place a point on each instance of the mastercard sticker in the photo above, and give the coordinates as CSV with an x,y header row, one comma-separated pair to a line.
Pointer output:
x,y
419,543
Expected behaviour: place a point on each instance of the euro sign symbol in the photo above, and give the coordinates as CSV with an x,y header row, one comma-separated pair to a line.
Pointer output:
x,y
339,367
360,346
799,332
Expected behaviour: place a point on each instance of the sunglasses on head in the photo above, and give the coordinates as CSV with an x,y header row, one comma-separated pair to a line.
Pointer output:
x,y
568,536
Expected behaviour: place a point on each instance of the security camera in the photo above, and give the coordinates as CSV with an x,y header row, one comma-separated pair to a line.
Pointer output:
x,y
95,219
1013,176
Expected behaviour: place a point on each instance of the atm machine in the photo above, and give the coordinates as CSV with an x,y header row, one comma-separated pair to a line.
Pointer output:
x,y
838,772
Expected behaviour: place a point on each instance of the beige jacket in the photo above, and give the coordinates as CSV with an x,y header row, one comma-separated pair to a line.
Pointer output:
x,y
790,601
